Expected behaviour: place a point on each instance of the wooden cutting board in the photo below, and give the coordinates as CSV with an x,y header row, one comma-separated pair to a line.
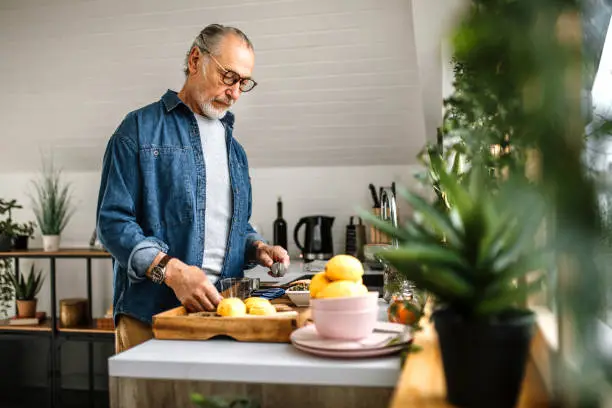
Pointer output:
x,y
178,324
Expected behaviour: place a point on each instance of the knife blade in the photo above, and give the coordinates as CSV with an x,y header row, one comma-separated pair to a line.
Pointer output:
x,y
375,199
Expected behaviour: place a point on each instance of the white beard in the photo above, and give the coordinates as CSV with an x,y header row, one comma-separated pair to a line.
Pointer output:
x,y
209,110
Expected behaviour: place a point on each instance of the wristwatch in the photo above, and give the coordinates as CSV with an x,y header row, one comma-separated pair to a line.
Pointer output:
x,y
158,273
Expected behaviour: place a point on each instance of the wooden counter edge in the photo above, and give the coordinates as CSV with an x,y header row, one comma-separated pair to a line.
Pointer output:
x,y
422,384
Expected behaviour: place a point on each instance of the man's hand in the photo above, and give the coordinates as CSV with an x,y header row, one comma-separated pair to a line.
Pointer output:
x,y
266,255
192,287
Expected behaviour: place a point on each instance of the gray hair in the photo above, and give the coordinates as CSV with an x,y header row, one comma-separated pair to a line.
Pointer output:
x,y
209,39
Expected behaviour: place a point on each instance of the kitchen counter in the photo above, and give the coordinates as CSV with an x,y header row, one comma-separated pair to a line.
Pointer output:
x,y
230,360
297,268
220,366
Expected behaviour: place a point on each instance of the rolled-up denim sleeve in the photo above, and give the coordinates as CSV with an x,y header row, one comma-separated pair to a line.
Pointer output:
x,y
119,195
141,258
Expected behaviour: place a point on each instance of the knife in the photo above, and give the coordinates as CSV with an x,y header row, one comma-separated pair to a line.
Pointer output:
x,y
374,196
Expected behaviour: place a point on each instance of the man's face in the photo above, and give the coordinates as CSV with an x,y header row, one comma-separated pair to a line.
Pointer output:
x,y
211,95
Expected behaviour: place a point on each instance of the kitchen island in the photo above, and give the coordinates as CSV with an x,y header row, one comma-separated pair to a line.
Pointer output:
x,y
164,373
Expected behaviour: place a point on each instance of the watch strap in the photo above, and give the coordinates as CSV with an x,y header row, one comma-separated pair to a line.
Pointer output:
x,y
164,261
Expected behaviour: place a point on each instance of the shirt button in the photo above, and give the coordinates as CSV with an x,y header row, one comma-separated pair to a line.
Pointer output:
x,y
155,152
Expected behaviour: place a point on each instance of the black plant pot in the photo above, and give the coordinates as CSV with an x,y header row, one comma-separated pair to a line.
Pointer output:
x,y
6,243
484,361
21,242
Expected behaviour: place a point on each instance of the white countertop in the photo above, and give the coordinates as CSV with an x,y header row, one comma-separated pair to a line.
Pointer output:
x,y
249,362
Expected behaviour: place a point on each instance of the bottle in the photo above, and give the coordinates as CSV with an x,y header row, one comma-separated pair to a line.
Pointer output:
x,y
280,226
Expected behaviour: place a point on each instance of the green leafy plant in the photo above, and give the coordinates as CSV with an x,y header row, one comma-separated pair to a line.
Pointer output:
x,y
223,402
51,204
27,289
7,226
25,229
470,257
6,286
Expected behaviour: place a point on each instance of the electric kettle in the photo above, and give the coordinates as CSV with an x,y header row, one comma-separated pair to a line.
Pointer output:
x,y
318,243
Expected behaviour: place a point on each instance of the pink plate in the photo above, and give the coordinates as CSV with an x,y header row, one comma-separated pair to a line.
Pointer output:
x,y
353,353
308,337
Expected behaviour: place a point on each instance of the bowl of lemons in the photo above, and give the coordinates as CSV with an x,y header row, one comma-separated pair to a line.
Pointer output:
x,y
342,307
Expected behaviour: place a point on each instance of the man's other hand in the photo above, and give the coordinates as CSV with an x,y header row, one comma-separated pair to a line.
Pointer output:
x,y
266,255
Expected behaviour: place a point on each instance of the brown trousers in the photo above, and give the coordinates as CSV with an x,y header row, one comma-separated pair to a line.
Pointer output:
x,y
130,332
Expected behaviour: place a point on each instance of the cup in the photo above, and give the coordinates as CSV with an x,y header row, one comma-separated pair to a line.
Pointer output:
x,y
238,287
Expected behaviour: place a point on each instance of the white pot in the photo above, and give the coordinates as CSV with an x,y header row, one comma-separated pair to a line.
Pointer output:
x,y
51,243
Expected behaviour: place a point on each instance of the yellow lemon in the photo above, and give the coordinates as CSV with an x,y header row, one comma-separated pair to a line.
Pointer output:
x,y
231,307
318,282
342,288
262,309
254,301
344,267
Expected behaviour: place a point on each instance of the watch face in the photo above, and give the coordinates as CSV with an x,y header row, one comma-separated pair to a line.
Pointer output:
x,y
157,275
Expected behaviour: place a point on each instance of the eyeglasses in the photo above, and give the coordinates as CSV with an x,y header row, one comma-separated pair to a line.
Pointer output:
x,y
230,77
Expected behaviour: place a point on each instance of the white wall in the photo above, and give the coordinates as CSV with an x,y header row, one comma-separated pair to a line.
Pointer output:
x,y
433,24
338,80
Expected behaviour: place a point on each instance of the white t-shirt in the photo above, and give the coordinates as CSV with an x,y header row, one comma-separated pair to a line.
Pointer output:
x,y
218,212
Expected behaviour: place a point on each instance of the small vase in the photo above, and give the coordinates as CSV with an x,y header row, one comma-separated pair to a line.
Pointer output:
x,y
51,243
6,242
26,308
21,242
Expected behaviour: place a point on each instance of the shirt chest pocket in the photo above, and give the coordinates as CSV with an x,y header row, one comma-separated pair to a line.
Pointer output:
x,y
167,192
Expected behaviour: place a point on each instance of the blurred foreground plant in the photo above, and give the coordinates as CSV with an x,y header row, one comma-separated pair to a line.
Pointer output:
x,y
223,402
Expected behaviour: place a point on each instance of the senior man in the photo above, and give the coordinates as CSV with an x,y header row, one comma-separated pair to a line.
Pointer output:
x,y
175,195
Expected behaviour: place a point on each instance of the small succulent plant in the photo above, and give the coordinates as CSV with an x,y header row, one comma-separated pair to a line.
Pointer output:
x,y
27,289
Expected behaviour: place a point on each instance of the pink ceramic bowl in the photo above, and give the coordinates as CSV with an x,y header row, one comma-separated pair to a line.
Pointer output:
x,y
345,325
363,302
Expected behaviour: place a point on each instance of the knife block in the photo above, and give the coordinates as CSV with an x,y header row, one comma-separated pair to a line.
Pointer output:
x,y
376,236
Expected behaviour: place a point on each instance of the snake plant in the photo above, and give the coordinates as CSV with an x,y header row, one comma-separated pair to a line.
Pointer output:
x,y
471,256
26,289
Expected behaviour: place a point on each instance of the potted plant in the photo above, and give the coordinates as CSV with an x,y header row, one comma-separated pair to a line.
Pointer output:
x,y
23,232
6,235
52,206
7,226
470,258
13,235
26,291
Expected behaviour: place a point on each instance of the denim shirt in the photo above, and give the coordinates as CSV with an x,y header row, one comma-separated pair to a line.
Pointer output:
x,y
152,198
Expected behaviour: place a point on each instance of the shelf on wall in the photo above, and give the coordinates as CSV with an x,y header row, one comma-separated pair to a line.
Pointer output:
x,y
89,328
62,253
45,326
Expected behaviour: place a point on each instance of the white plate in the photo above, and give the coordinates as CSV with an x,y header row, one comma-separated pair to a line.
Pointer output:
x,y
308,337
353,353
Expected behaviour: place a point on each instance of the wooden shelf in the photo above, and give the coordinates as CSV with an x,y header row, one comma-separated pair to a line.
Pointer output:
x,y
45,326
89,329
62,253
